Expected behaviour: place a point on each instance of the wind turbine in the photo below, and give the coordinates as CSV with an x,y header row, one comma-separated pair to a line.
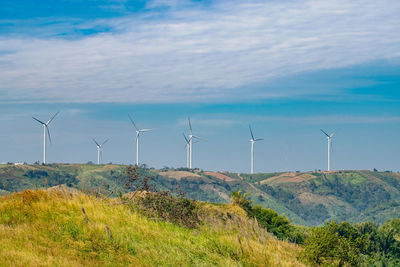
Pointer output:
x,y
138,131
45,129
99,154
252,141
191,136
329,137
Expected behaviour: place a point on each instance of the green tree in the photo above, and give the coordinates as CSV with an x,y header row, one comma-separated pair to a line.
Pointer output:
x,y
324,245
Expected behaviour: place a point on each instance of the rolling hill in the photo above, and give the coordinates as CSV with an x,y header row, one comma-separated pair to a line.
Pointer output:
x,y
309,198
64,227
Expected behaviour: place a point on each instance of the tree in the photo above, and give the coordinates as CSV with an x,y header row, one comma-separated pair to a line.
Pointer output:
x,y
389,237
325,245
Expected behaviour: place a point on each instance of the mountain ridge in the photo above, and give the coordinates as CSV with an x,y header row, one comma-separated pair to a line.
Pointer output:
x,y
307,198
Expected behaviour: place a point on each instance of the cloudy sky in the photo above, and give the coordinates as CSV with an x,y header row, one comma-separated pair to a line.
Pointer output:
x,y
287,67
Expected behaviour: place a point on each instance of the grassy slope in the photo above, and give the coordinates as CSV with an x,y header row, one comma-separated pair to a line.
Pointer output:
x,y
307,198
49,228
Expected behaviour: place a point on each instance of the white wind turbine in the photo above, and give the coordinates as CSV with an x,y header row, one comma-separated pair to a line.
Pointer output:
x,y
45,129
191,136
99,153
329,137
252,141
138,131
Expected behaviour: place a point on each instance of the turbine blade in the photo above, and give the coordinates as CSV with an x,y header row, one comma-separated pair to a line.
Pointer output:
x,y
325,133
105,142
199,138
145,130
95,142
184,136
52,118
190,125
133,123
332,134
48,134
38,120
251,133
258,139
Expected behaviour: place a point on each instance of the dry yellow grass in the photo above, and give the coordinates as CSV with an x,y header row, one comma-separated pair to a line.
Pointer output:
x,y
61,228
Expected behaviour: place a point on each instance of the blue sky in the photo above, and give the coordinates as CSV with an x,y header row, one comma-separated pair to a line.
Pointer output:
x,y
287,67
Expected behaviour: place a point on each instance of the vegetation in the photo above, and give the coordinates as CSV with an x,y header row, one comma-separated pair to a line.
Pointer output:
x,y
340,244
269,219
151,225
334,244
59,227
311,198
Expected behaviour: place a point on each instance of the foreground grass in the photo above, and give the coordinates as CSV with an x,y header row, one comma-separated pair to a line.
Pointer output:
x,y
59,228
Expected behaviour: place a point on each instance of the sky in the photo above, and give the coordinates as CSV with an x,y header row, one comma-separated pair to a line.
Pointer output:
x,y
289,68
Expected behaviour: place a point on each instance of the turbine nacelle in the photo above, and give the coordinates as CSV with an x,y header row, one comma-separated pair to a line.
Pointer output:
x,y
252,139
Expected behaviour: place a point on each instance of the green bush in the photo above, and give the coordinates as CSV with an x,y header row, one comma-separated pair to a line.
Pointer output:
x,y
269,219
162,205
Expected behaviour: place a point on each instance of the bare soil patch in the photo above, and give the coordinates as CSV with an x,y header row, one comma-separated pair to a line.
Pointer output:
x,y
219,176
178,174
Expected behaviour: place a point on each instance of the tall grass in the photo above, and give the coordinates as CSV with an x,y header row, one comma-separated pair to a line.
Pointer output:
x,y
59,228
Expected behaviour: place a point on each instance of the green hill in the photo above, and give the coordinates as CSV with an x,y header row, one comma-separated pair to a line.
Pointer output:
x,y
64,227
310,198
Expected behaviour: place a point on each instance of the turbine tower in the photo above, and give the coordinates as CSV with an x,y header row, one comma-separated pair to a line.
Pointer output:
x,y
191,136
45,130
329,137
252,141
99,154
187,150
138,131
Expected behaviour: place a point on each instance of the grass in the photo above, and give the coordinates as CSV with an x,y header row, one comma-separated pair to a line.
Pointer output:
x,y
59,228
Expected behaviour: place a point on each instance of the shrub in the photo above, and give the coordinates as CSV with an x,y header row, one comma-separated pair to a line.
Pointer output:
x,y
162,205
269,219
242,200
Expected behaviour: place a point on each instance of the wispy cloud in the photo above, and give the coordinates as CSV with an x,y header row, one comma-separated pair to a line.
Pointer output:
x,y
224,51
331,119
226,120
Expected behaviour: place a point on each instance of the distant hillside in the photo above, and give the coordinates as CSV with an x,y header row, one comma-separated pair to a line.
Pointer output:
x,y
309,198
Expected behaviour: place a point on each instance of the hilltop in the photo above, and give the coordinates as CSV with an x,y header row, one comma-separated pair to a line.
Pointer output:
x,y
61,227
308,198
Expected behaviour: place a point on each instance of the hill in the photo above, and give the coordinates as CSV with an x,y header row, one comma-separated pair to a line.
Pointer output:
x,y
61,227
309,198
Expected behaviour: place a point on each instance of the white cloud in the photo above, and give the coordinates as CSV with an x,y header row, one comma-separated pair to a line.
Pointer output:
x,y
200,54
